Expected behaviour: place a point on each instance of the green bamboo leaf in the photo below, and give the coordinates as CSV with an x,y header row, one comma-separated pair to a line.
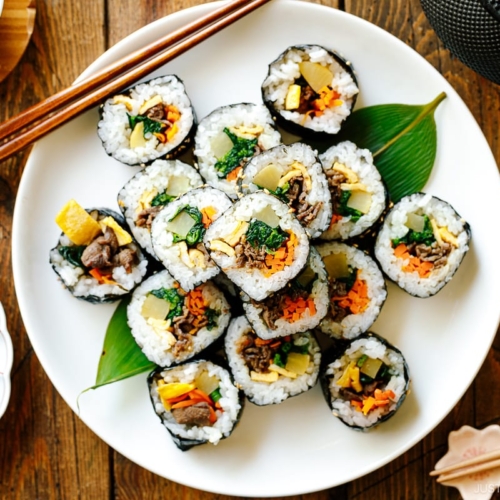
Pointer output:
x,y
402,138
121,356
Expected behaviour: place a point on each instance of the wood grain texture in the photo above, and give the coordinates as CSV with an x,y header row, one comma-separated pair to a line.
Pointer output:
x,y
16,26
46,452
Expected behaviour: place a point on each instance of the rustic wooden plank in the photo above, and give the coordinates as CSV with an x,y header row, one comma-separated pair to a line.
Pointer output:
x,y
46,451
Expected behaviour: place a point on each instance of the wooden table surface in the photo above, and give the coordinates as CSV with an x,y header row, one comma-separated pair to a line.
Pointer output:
x,y
46,452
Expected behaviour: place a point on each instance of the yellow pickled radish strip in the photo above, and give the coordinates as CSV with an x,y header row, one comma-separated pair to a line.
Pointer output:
x,y
77,224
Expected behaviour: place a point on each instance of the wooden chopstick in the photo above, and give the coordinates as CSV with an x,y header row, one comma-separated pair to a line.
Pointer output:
x,y
79,89
469,470
76,99
485,457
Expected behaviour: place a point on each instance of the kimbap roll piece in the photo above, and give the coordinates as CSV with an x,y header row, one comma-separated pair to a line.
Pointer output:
x,y
96,258
366,383
258,244
357,191
151,120
293,174
357,290
298,307
270,371
145,194
197,402
421,244
310,90
227,138
172,325
177,235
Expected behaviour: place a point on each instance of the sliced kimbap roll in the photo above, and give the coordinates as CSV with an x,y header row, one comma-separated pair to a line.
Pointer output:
x,y
357,290
145,194
151,120
95,257
230,136
366,383
270,371
293,174
197,402
298,307
422,243
177,235
357,191
258,244
310,90
172,325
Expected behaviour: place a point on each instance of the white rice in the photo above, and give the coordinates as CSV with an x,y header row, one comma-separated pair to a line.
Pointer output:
x,y
373,348
153,343
169,253
83,285
252,280
308,321
114,129
360,161
394,227
283,157
355,324
285,71
152,180
263,393
227,415
245,115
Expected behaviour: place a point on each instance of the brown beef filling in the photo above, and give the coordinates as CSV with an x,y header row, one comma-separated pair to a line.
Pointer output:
x,y
436,253
337,289
248,256
335,179
307,96
197,415
146,217
257,357
296,195
104,253
272,308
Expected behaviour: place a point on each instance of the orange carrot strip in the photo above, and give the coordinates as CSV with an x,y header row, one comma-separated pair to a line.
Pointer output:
x,y
400,250
197,393
233,175
187,402
258,341
213,415
182,397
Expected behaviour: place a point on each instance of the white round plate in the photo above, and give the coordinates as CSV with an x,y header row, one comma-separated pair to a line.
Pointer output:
x,y
298,446
6,359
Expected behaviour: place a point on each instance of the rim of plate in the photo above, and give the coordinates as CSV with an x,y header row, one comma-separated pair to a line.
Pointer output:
x,y
134,41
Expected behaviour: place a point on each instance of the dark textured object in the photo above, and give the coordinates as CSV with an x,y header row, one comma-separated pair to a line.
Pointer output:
x,y
470,29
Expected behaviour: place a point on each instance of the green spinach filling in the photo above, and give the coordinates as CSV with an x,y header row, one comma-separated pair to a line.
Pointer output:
x,y
196,233
162,199
150,126
344,210
426,236
281,357
242,148
172,296
73,254
260,234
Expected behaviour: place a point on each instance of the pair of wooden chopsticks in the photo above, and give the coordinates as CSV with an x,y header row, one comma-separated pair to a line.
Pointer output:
x,y
42,118
480,463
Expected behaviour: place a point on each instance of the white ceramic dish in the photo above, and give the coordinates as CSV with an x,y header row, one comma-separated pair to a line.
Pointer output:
x,y
298,446
6,359
1,7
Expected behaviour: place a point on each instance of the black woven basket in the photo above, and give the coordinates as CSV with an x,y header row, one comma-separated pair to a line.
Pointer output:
x,y
470,29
